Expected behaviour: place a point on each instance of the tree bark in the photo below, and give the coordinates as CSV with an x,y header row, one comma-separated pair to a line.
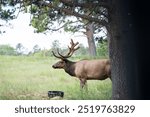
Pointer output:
x,y
90,38
123,52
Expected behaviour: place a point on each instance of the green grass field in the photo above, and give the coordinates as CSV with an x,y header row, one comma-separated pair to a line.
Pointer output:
x,y
30,78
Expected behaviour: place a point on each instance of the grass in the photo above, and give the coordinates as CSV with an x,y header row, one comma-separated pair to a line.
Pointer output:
x,y
30,78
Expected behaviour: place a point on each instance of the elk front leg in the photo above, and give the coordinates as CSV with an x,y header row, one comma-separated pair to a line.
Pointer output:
x,y
83,82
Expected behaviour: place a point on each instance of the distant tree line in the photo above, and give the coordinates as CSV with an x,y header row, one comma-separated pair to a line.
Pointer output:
x,y
7,50
20,50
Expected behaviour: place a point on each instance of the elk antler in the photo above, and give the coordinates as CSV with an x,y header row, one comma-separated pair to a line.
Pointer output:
x,y
72,49
56,55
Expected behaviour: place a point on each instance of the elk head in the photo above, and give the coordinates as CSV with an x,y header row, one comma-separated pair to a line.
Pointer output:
x,y
62,63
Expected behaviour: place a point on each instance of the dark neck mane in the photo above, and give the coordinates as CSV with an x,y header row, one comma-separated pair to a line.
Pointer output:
x,y
70,68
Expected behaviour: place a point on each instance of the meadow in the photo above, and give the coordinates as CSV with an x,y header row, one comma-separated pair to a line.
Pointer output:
x,y
31,77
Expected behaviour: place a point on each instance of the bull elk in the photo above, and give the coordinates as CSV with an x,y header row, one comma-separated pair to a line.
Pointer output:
x,y
83,69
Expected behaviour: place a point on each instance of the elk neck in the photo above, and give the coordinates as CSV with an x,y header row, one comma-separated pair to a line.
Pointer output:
x,y
70,67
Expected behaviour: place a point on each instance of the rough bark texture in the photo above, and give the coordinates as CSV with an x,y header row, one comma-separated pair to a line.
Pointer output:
x,y
123,52
90,38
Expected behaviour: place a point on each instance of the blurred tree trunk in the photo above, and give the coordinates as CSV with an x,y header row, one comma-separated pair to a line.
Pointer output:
x,y
91,43
123,52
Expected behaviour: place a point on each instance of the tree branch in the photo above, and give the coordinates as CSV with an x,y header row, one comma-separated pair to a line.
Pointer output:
x,y
69,11
56,29
89,18
73,3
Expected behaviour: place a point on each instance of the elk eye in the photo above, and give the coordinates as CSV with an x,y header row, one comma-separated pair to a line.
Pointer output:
x,y
61,62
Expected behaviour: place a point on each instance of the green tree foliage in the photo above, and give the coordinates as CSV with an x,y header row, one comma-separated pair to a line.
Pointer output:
x,y
7,50
83,51
40,22
7,9
84,11
36,48
43,53
102,48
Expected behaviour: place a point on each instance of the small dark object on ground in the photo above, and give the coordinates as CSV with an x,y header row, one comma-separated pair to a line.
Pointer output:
x,y
52,94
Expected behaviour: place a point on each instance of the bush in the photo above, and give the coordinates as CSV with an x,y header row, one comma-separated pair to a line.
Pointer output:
x,y
102,48
7,50
43,53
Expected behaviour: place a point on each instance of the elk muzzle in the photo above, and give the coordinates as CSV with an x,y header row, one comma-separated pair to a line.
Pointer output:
x,y
54,66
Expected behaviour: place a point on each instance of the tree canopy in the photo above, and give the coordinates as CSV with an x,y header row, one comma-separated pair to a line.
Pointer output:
x,y
70,14
45,12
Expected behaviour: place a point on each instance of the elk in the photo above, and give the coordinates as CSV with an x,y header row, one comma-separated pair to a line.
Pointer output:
x,y
83,69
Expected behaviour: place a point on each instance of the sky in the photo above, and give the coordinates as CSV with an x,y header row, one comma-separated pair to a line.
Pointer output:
x,y
20,32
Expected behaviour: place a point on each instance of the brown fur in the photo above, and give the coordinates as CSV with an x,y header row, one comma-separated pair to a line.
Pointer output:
x,y
86,69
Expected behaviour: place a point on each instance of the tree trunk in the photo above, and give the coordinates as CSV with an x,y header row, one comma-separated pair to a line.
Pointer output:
x,y
123,52
90,38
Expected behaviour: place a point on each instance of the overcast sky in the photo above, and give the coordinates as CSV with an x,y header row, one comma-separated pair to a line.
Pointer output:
x,y
21,32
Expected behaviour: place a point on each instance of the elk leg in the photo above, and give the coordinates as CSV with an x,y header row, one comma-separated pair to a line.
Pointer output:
x,y
83,83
